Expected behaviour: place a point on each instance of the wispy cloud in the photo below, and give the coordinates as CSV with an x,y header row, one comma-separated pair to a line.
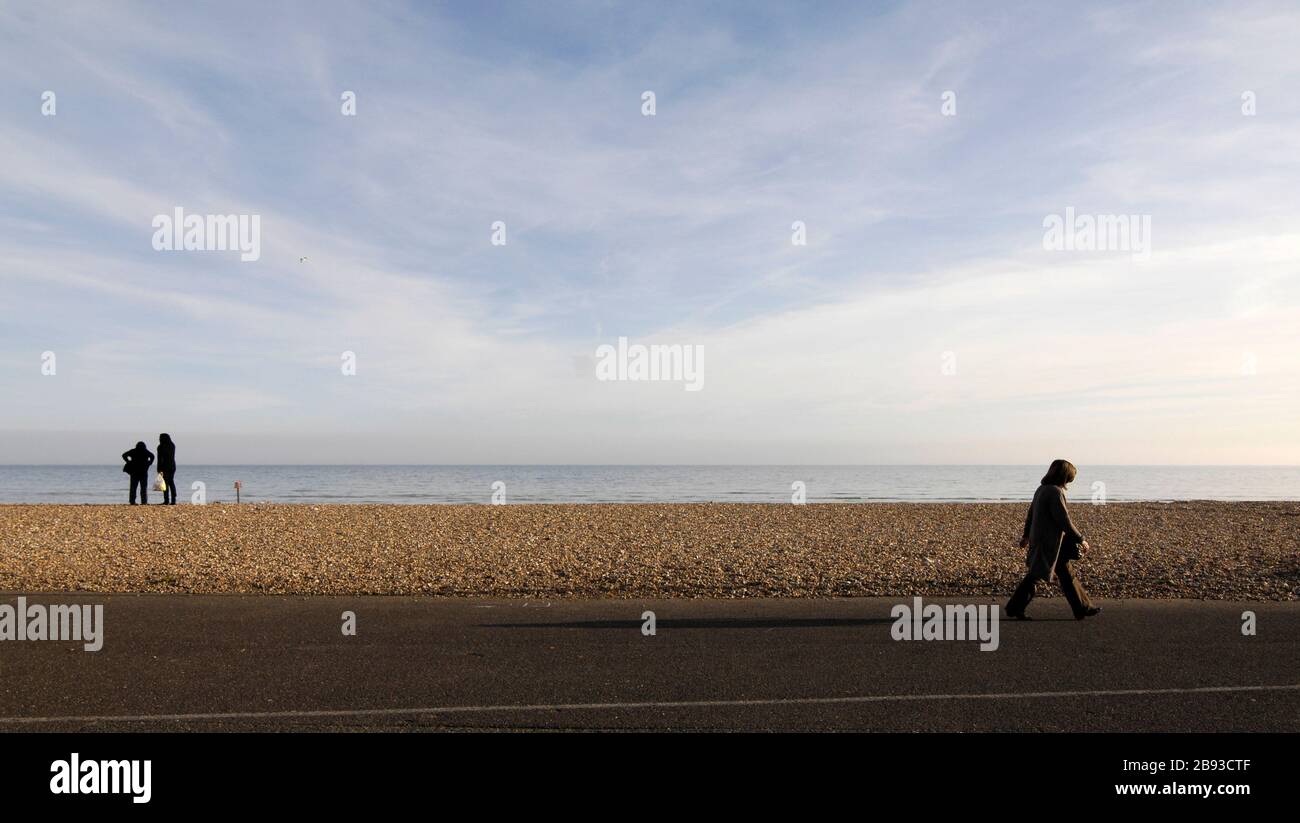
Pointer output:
x,y
923,231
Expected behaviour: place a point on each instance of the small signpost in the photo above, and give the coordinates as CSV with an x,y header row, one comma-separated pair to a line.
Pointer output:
x,y
238,486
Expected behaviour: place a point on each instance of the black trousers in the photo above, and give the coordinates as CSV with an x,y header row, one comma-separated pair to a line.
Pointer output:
x,y
1070,587
169,475
141,481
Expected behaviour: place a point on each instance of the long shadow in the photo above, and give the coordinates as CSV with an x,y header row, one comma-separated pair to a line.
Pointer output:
x,y
703,623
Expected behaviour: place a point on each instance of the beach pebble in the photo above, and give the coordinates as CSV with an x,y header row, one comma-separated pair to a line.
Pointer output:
x,y
1237,551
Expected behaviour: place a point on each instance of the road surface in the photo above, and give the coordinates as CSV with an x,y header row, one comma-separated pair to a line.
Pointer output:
x,y
181,662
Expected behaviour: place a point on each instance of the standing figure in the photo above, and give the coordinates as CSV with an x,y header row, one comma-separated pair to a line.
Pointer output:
x,y
167,467
138,461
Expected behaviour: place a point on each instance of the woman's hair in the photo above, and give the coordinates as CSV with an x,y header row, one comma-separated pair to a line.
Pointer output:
x,y
1060,473
164,438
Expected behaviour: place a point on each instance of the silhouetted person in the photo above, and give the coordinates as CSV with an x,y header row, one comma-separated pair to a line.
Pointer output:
x,y
1053,542
138,461
167,467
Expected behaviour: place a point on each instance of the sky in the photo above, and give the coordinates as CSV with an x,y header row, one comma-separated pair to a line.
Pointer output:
x,y
920,146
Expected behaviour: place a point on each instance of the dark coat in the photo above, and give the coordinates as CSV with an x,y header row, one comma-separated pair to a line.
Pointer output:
x,y
1047,528
166,457
138,462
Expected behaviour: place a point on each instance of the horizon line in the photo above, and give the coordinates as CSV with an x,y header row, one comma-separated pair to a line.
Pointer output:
x,y
673,465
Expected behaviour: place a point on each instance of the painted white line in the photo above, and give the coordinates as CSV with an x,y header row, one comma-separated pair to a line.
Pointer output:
x,y
669,704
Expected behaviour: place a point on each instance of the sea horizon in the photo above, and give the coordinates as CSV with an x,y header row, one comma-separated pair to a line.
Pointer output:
x,y
651,483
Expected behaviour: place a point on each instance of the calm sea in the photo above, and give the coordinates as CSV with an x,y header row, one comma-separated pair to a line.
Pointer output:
x,y
642,484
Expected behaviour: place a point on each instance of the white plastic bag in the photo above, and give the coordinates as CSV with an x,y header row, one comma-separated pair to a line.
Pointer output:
x,y
160,485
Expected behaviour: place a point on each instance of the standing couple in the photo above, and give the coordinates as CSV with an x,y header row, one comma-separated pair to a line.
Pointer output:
x,y
138,461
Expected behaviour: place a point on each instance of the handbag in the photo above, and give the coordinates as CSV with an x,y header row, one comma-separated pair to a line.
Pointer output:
x,y
1071,549
159,484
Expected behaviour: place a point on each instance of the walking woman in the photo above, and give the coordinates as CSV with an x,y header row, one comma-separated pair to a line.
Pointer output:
x,y
167,467
1053,543
138,461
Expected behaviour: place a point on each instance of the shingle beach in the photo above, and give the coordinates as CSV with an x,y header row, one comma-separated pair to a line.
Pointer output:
x,y
1210,550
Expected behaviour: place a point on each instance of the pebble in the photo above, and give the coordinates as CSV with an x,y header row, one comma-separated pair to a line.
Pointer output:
x,y
1207,550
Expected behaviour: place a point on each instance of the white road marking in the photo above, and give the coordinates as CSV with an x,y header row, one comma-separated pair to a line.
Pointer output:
x,y
670,704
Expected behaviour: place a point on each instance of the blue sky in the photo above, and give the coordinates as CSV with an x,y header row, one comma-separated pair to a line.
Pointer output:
x,y
924,231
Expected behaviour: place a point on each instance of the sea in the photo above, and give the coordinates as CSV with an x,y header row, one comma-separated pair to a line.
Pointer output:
x,y
650,484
